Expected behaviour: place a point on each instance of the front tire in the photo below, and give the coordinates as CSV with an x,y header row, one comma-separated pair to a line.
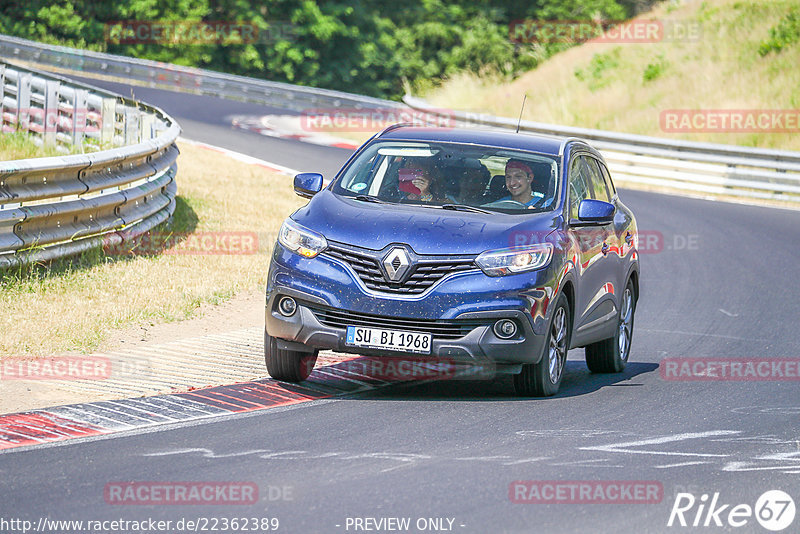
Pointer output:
x,y
544,378
287,365
611,355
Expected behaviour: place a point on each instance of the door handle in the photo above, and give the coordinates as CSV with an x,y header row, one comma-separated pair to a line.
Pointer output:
x,y
605,248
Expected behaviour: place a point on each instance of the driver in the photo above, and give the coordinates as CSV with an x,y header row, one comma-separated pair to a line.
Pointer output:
x,y
519,178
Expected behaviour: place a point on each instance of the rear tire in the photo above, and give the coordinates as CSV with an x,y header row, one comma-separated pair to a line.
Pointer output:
x,y
287,365
611,355
544,378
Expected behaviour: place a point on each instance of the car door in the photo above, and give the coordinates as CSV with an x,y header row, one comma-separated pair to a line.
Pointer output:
x,y
595,306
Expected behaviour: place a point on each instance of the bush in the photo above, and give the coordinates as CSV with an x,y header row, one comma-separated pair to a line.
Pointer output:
x,y
596,74
787,32
655,69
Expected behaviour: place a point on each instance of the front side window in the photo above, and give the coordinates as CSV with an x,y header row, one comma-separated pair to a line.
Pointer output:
x,y
579,185
607,178
598,183
437,174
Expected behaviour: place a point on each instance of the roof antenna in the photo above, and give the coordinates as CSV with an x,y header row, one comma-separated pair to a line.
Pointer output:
x,y
524,98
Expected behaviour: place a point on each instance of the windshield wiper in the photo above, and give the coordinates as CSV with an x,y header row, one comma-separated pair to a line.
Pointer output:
x,y
463,207
367,198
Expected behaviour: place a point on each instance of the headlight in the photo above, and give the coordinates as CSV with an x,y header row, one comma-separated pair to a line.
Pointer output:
x,y
515,260
301,240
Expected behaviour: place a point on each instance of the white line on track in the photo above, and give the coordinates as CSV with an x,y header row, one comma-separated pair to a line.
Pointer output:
x,y
624,447
244,158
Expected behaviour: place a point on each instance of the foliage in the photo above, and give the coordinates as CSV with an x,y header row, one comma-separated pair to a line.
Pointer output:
x,y
786,33
596,74
655,69
373,47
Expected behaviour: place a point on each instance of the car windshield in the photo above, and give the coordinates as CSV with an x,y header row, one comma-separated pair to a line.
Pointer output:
x,y
452,176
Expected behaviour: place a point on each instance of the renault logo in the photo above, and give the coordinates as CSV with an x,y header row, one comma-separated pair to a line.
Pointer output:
x,y
397,264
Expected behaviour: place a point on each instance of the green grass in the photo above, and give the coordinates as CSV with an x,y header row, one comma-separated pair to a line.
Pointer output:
x,y
20,145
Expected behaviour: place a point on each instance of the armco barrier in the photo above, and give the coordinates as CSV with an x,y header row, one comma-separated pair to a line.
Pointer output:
x,y
54,207
678,165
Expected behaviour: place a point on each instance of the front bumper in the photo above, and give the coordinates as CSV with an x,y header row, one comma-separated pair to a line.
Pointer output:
x,y
311,328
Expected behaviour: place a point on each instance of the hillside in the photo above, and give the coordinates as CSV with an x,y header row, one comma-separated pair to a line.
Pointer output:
x,y
746,57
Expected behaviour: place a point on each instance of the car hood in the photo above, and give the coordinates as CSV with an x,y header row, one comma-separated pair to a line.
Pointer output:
x,y
426,230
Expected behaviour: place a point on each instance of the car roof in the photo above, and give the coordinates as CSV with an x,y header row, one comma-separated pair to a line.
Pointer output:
x,y
543,144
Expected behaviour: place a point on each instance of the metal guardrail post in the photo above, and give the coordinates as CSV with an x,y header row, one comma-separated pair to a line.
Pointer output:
x,y
23,102
50,112
80,116
131,125
107,118
146,124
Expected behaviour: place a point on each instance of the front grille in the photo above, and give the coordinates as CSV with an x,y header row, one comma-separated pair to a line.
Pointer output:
x,y
444,329
426,272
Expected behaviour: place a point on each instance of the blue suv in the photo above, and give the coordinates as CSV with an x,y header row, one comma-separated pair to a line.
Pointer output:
x,y
484,248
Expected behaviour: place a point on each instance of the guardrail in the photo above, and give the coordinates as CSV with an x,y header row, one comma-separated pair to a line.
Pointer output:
x,y
679,165
671,164
53,207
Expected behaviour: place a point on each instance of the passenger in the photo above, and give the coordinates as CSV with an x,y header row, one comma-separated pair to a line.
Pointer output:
x,y
519,178
426,181
472,186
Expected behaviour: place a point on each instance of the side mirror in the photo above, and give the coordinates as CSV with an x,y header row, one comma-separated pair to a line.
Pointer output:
x,y
307,184
594,212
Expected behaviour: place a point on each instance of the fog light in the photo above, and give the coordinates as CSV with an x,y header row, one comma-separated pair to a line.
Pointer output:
x,y
505,329
287,306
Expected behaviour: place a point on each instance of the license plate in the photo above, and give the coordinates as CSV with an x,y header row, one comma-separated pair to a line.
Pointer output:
x,y
378,338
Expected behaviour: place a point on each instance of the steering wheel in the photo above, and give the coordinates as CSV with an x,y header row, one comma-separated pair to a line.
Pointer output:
x,y
506,203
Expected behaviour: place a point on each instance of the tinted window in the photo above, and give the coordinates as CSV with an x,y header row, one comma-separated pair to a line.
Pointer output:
x,y
609,182
598,183
579,185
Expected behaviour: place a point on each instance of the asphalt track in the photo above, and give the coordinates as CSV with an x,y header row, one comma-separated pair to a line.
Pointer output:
x,y
718,280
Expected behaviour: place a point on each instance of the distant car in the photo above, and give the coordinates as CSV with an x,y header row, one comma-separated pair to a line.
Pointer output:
x,y
399,255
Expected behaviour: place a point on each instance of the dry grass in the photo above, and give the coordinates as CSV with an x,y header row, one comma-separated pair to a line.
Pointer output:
x,y
74,305
722,69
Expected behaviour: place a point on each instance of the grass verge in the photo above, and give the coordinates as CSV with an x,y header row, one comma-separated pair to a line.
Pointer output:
x,y
73,305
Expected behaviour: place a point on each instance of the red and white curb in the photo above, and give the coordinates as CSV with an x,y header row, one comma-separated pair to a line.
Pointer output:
x,y
332,377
